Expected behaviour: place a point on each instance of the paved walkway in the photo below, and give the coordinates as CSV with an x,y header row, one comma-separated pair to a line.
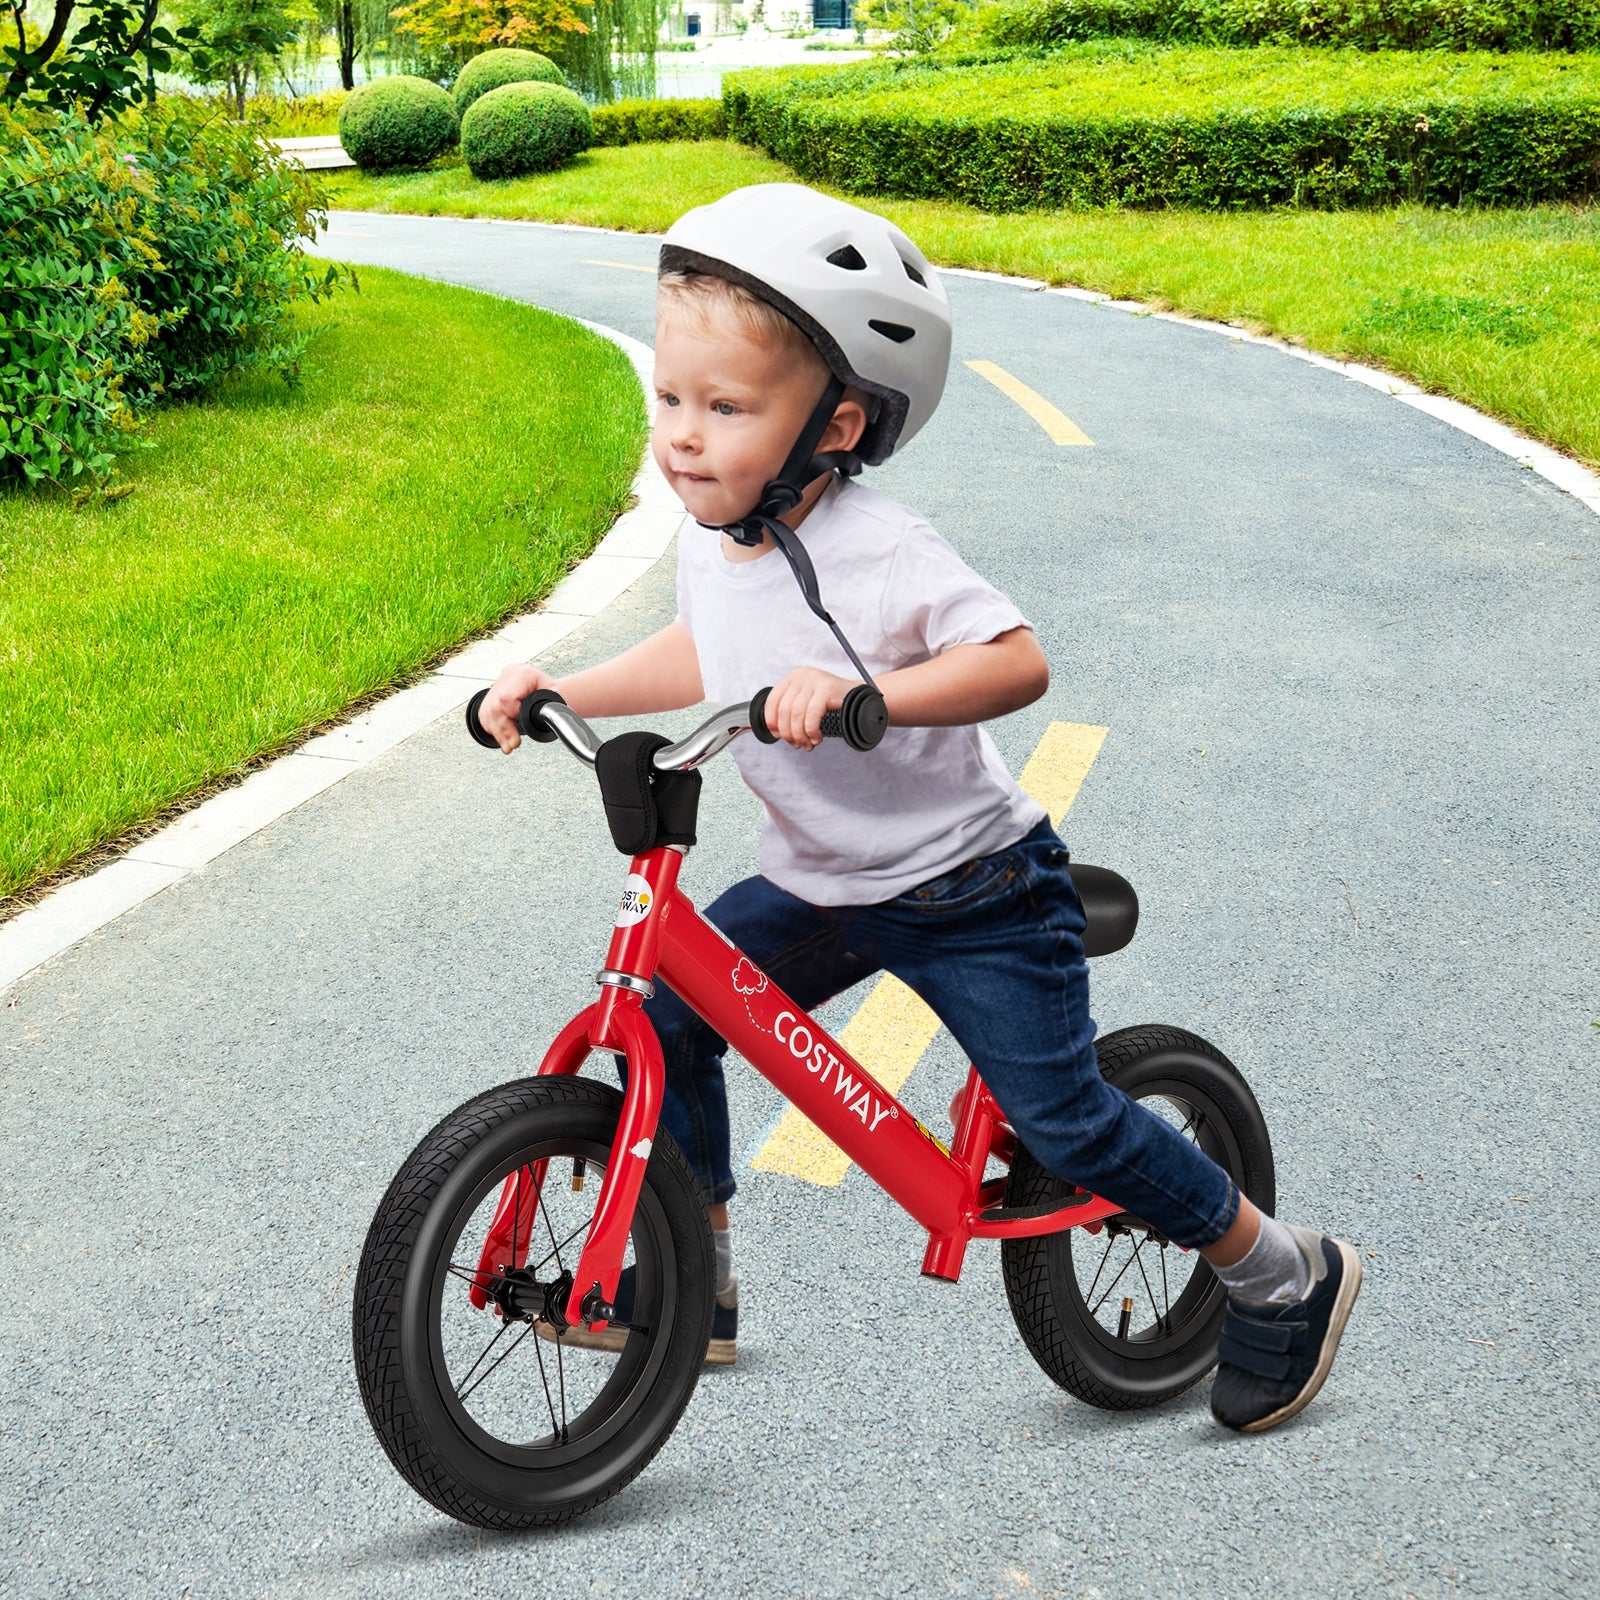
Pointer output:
x,y
316,152
1345,657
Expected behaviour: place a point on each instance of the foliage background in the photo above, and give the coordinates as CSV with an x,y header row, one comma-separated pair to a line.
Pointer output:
x,y
1123,123
1367,24
142,259
290,550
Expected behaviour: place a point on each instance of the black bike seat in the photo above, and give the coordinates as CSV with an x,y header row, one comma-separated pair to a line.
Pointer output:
x,y
1109,903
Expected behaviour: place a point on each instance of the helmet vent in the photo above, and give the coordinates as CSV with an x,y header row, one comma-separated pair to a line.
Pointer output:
x,y
848,257
897,331
912,273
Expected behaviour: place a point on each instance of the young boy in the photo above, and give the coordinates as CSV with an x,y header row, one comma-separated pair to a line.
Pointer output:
x,y
798,338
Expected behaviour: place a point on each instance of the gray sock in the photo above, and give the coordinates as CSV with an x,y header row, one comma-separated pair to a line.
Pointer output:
x,y
722,1242
1272,1272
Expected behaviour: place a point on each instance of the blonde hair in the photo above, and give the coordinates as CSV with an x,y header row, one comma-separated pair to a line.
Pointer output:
x,y
702,299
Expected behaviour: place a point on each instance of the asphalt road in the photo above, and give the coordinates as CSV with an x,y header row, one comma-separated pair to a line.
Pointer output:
x,y
1347,660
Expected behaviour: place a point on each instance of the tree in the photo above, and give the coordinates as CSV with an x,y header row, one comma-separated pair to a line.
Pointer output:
x,y
615,56
110,59
233,41
356,26
919,27
446,33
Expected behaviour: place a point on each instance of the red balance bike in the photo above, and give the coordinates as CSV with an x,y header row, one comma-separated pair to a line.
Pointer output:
x,y
508,1227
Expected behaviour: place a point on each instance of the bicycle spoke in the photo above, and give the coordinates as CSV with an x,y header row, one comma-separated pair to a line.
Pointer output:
x,y
555,1249
1110,1245
561,1380
1149,1292
1094,1309
461,1394
476,1276
500,1333
552,1254
1166,1293
558,1430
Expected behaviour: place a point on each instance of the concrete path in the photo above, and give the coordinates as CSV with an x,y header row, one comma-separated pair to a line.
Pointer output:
x,y
1346,656
316,152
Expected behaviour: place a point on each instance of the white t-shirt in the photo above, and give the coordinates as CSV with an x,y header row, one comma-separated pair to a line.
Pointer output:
x,y
856,827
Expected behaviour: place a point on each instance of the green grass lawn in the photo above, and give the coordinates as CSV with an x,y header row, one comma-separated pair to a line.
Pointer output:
x,y
285,552
1500,308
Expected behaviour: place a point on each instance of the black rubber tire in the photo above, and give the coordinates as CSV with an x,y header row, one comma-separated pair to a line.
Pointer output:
x,y
440,1449
1074,1348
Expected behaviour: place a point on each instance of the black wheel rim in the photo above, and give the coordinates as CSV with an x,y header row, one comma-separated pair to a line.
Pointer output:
x,y
528,1401
1138,1296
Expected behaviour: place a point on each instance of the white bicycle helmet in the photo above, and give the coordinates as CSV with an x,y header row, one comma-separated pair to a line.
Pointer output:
x,y
854,283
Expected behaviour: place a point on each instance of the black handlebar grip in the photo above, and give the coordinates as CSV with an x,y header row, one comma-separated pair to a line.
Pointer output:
x,y
758,717
529,723
476,728
861,721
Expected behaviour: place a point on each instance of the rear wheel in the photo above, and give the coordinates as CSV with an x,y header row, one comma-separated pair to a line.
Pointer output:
x,y
1123,1318
490,1423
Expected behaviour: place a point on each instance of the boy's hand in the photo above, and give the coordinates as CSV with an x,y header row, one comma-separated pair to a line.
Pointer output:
x,y
498,713
797,702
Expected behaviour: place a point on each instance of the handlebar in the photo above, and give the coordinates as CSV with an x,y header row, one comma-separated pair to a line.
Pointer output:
x,y
861,722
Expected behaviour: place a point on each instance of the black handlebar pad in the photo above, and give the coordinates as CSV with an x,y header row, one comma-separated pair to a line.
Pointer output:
x,y
530,723
861,721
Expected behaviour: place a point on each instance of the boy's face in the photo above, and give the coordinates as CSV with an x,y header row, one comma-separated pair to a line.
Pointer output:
x,y
728,411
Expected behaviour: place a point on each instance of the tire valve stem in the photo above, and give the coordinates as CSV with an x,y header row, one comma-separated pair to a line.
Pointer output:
x,y
1126,1317
577,1174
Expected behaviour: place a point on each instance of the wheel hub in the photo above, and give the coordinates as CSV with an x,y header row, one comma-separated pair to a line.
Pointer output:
x,y
520,1297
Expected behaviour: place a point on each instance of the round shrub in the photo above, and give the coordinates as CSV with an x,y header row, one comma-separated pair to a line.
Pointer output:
x,y
397,122
497,67
524,127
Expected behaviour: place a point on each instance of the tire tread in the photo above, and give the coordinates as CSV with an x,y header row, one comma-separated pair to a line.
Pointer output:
x,y
385,1256
1025,1263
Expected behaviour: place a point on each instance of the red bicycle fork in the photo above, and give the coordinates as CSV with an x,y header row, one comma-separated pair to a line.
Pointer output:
x,y
658,931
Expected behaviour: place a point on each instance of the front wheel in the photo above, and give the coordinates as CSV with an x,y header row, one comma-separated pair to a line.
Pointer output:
x,y
482,1410
1123,1318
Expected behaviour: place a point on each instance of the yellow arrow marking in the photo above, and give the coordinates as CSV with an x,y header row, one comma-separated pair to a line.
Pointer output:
x,y
892,1028
621,266
1061,429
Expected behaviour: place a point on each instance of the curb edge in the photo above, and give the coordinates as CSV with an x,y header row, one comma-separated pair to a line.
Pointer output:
x,y
629,548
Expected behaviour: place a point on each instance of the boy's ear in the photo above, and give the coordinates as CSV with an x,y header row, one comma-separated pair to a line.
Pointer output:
x,y
849,423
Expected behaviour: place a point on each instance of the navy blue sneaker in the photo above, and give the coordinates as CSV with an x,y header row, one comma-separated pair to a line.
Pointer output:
x,y
1274,1358
720,1351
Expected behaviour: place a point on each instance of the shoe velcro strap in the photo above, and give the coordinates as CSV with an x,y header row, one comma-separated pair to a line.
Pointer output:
x,y
1259,1347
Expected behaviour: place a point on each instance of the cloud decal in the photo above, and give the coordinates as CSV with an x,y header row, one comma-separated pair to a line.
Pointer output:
x,y
746,979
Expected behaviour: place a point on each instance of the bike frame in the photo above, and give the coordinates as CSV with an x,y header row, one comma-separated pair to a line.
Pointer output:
x,y
659,934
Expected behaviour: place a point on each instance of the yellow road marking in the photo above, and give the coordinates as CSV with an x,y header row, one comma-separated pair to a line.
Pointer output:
x,y
621,266
1059,764
1061,429
892,1028
889,1034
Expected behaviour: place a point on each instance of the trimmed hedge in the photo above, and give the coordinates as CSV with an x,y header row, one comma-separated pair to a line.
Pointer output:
x,y
494,68
1367,24
397,122
524,127
655,121
143,259
1097,125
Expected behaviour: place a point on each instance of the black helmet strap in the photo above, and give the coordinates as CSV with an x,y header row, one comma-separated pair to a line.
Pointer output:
x,y
803,464
785,492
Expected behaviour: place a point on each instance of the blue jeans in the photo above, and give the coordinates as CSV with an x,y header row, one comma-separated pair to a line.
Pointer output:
x,y
994,947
